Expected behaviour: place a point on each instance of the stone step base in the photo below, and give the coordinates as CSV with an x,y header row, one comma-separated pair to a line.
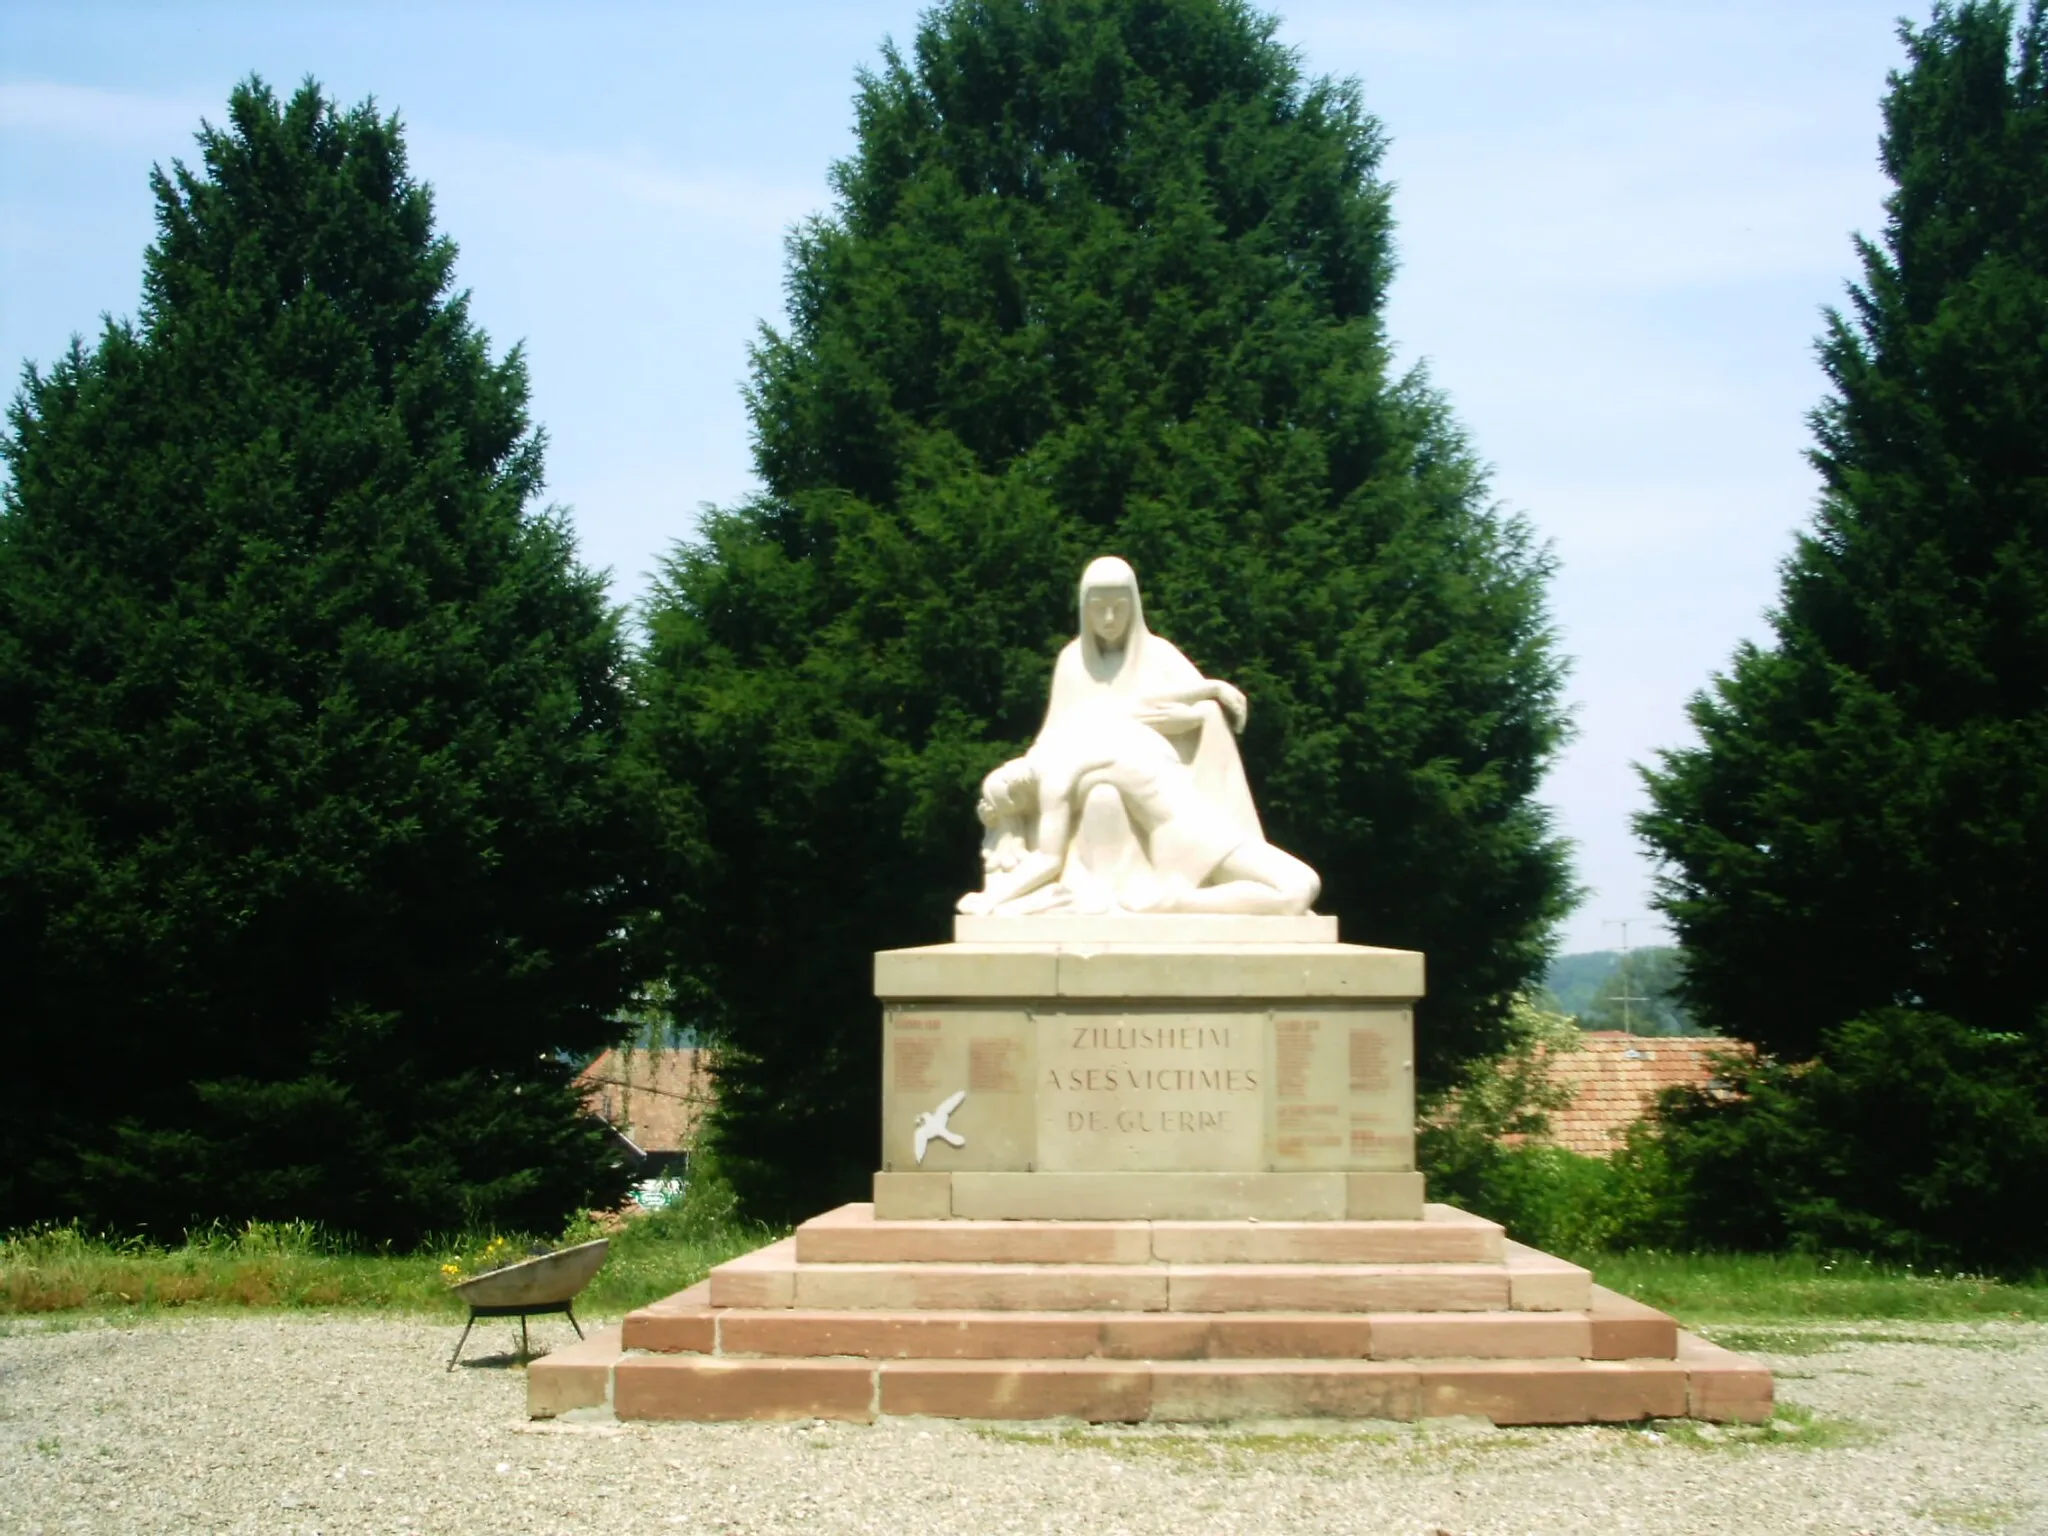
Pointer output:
x,y
777,1279
1613,1328
852,1235
1702,1382
1010,1196
1521,1279
1175,1319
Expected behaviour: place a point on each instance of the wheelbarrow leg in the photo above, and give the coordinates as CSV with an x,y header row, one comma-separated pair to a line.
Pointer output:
x,y
525,1350
573,1323
462,1341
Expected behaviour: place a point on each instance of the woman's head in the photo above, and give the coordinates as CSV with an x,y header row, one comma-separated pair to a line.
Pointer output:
x,y
1109,602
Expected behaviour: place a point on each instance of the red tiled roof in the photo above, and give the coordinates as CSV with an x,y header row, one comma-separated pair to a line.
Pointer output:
x,y
1618,1077
655,1098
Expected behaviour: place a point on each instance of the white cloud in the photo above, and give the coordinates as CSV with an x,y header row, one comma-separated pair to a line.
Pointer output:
x,y
1560,216
559,180
109,117
1603,147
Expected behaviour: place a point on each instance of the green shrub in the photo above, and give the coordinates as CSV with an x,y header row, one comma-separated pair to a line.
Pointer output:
x,y
1483,1147
1910,1137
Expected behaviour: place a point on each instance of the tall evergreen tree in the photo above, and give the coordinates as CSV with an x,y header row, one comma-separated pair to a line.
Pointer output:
x,y
1102,276
1862,832
313,845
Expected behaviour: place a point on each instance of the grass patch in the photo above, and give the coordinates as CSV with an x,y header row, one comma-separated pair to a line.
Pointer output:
x,y
52,1271
1792,1339
45,1322
1784,1288
1974,1514
1427,1443
1200,1448
1792,1426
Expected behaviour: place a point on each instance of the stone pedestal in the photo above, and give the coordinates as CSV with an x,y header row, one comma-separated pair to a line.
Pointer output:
x,y
1148,1068
1167,1174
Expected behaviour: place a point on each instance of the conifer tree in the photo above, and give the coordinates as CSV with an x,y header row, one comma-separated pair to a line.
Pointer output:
x,y
1857,849
1101,276
313,845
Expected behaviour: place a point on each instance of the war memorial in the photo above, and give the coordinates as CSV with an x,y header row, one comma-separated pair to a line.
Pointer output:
x,y
1147,1145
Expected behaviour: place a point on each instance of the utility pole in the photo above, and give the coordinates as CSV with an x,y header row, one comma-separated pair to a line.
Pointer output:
x,y
1628,975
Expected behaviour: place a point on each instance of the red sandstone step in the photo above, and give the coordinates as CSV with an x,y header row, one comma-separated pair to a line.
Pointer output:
x,y
773,1277
578,1376
1338,1288
708,1389
852,1235
1722,1385
1541,1282
1625,1329
1704,1382
1151,1336
680,1324
1505,1391
1445,1235
1041,1335
764,1278
981,1287
1613,1328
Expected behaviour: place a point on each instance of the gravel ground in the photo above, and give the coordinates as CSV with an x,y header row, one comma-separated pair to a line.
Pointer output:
x,y
348,1423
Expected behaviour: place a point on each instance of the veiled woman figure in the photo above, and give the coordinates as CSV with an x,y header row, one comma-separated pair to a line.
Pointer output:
x,y
1133,796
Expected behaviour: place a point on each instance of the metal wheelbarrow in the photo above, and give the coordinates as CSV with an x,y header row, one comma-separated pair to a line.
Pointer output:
x,y
531,1287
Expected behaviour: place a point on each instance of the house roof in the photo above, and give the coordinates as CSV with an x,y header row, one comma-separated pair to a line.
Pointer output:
x,y
656,1099
1618,1077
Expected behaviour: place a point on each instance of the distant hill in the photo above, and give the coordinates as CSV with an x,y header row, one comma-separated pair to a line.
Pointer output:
x,y
1573,979
1590,987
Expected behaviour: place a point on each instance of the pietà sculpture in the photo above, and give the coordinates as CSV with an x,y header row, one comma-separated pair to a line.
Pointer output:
x,y
1133,798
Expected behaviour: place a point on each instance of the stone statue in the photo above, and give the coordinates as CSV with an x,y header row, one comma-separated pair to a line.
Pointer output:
x,y
1133,797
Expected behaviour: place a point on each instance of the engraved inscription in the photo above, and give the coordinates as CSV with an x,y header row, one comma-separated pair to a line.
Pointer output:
x,y
1303,1129
1153,1079
992,1064
1372,1142
1294,1056
1369,1072
914,1061
1150,1037
1120,1091
935,1050
1148,1121
1305,1124
1340,1089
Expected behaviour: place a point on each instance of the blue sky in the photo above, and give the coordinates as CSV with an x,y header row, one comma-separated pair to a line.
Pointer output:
x,y
1618,225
